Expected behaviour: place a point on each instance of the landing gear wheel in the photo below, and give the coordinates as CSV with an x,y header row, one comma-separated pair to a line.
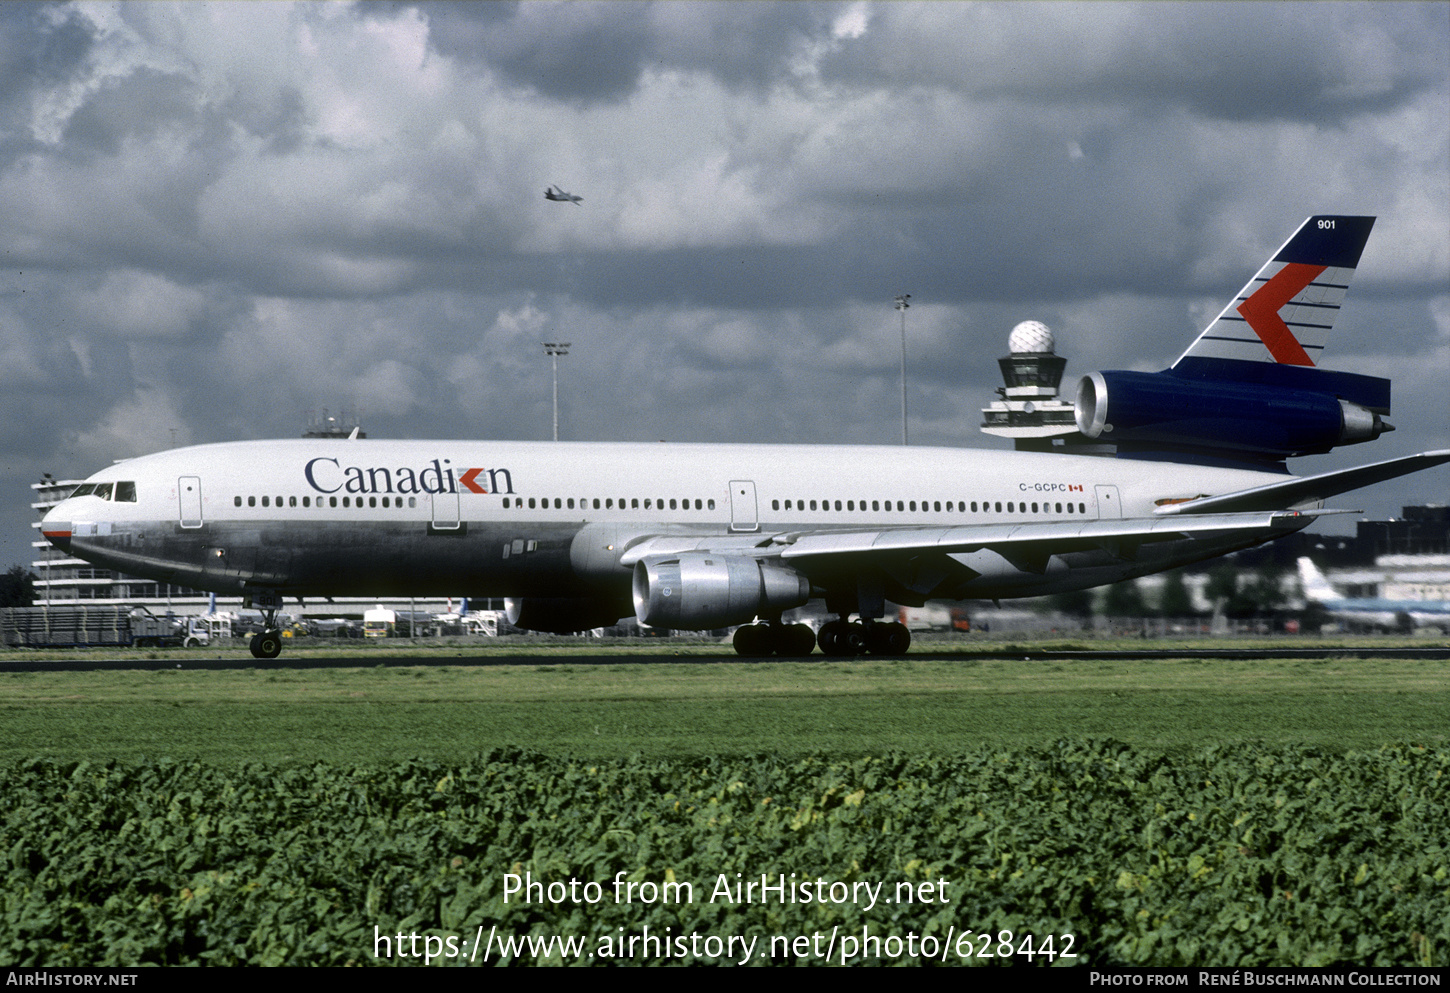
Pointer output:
x,y
888,639
794,640
753,641
839,639
267,645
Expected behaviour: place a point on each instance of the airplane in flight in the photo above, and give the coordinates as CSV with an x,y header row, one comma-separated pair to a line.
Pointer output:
x,y
557,193
1373,611
707,536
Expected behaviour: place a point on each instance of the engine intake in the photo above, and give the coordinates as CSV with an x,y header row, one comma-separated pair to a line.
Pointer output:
x,y
697,591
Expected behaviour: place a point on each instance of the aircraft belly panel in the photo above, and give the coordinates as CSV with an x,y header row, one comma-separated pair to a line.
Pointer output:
x,y
341,558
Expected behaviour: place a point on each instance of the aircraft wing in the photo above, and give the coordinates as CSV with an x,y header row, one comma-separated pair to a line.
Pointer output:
x,y
1050,536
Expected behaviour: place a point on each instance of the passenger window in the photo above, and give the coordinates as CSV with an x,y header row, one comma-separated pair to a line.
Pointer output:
x,y
236,501
306,501
710,505
672,503
265,502
332,501
252,501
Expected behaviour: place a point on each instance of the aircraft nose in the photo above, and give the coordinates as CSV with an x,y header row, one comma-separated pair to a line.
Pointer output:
x,y
56,527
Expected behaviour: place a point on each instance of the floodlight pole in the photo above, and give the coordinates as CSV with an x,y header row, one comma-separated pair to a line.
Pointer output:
x,y
554,349
901,305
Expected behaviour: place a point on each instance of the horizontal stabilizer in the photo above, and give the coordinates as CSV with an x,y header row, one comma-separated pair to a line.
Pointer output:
x,y
1293,491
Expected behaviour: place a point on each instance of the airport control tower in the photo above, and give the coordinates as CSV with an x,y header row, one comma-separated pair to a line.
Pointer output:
x,y
1029,412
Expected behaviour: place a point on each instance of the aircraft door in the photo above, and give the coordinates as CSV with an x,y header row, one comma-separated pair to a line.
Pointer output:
x,y
744,516
1110,505
445,511
188,499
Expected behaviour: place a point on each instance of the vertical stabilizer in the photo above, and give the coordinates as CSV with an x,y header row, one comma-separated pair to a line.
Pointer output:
x,y
1286,312
1316,587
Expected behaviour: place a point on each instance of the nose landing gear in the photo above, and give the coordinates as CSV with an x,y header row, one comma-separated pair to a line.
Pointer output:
x,y
268,644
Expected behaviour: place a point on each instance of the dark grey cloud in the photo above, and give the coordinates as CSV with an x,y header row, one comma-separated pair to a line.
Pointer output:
x,y
594,52
1227,61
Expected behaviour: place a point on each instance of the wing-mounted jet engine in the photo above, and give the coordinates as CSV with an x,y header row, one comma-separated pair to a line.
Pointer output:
x,y
1248,390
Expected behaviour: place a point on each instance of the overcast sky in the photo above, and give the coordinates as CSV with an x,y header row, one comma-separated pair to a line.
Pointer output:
x,y
221,218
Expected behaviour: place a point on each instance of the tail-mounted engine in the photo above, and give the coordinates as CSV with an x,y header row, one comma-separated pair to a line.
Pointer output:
x,y
1248,410
700,590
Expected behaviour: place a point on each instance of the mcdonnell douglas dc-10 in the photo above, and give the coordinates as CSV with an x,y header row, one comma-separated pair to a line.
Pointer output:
x,y
695,537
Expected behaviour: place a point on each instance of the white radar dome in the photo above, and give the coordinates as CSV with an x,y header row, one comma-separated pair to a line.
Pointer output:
x,y
1030,336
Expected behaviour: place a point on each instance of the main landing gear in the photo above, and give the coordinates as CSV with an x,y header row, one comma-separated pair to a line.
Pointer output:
x,y
774,638
842,638
838,638
268,644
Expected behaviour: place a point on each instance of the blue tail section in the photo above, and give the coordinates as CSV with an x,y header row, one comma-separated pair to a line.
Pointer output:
x,y
1248,390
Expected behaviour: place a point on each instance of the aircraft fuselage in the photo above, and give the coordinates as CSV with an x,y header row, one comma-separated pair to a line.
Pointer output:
x,y
312,518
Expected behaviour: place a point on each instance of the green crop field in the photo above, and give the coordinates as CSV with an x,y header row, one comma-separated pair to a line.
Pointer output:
x,y
723,706
1167,811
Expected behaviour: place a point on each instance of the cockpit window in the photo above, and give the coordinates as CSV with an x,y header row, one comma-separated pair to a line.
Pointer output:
x,y
126,492
103,490
85,489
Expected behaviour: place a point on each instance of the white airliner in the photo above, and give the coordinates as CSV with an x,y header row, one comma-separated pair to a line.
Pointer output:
x,y
697,537
1375,611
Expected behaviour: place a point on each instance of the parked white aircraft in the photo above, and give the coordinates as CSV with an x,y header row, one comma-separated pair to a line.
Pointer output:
x,y
1376,611
707,536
